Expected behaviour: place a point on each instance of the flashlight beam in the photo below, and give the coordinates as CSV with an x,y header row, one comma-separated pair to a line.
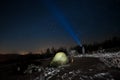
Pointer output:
x,y
62,20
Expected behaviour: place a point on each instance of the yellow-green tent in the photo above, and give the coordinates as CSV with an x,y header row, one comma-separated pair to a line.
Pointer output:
x,y
59,59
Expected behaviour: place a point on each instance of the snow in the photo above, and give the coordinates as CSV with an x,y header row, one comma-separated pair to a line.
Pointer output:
x,y
98,55
110,59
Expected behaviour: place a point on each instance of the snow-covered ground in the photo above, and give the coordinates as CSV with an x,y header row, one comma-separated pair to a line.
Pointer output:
x,y
110,59
53,74
63,73
98,55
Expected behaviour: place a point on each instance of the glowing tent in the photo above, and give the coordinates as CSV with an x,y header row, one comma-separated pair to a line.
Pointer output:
x,y
59,59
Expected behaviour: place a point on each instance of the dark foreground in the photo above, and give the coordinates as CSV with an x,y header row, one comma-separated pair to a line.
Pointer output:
x,y
83,68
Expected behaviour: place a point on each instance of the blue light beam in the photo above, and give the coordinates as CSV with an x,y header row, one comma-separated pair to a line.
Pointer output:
x,y
61,19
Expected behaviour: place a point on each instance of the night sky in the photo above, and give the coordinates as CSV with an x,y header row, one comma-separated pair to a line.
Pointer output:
x,y
30,25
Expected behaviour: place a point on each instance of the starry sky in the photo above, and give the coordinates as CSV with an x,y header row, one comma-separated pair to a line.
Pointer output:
x,y
28,25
